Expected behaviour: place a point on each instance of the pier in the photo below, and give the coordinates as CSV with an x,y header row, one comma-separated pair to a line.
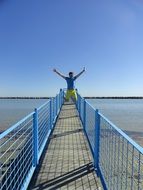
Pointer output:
x,y
67,162
61,145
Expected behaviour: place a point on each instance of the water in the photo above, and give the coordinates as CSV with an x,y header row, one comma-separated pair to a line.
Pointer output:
x,y
13,110
126,114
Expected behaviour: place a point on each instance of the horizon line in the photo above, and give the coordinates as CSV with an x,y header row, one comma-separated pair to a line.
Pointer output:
x,y
86,97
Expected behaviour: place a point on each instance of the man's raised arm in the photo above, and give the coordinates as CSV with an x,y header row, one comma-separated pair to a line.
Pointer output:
x,y
61,75
80,73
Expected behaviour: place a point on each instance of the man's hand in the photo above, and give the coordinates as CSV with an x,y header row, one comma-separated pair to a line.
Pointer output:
x,y
84,69
80,73
55,70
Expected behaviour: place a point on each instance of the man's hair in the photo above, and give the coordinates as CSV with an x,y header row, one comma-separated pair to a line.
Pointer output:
x,y
70,73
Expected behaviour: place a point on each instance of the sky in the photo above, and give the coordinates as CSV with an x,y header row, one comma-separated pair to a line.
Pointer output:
x,y
104,36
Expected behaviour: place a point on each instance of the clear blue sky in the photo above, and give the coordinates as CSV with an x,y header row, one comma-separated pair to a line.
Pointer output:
x,y
104,36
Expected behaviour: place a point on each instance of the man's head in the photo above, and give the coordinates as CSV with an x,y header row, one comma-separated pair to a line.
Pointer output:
x,y
71,74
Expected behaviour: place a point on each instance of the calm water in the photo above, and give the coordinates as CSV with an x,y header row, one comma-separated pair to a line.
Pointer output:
x,y
12,110
126,114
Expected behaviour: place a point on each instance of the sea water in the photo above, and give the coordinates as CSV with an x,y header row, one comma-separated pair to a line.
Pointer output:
x,y
126,114
13,110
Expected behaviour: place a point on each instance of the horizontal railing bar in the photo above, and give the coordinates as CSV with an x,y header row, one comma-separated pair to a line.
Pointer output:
x,y
17,138
39,108
17,146
131,141
41,116
14,151
2,135
119,160
90,104
12,136
27,156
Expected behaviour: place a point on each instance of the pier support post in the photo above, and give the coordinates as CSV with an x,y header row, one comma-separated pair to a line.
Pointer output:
x,y
97,138
79,106
56,104
35,139
77,102
61,94
51,113
84,116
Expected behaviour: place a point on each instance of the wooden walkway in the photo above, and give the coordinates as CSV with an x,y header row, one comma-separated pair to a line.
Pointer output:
x,y
67,161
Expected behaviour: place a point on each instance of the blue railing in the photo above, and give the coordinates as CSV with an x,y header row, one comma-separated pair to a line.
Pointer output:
x,y
118,160
21,145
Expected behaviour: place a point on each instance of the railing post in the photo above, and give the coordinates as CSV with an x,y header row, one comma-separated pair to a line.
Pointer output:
x,y
35,138
77,99
78,102
63,94
79,107
59,101
52,109
56,104
84,116
97,138
51,114
61,97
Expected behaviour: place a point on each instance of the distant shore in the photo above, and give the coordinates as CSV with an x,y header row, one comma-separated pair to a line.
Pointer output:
x,y
114,97
25,97
86,97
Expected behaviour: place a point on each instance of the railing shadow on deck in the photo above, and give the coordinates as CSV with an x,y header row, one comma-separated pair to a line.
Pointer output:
x,y
66,109
68,117
66,178
66,133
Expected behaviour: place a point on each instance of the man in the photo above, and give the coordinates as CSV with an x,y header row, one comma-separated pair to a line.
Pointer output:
x,y
71,92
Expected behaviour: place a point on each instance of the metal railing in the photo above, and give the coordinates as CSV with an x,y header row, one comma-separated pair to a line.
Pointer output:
x,y
22,145
118,160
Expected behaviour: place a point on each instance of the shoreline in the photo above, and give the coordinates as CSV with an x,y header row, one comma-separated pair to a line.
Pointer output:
x,y
25,98
114,97
86,97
